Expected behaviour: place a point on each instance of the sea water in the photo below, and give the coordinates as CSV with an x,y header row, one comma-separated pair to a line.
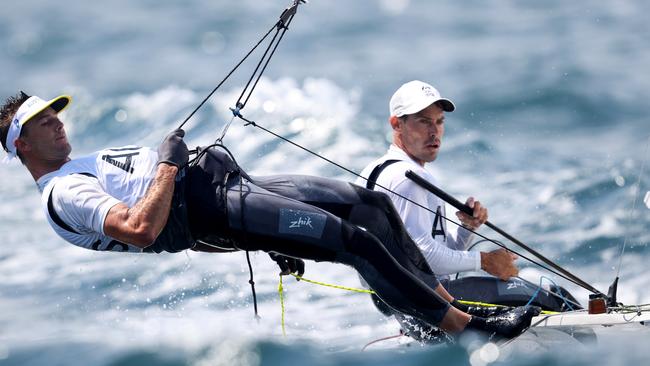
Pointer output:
x,y
550,133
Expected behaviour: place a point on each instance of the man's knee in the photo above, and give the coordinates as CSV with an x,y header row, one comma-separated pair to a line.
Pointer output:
x,y
361,243
376,199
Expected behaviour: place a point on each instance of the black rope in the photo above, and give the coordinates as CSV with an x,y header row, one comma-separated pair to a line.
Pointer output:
x,y
225,78
281,27
239,104
550,292
496,242
242,222
467,210
284,28
252,283
472,247
280,24
202,151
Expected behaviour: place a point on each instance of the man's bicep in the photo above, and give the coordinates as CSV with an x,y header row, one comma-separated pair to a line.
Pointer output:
x,y
81,203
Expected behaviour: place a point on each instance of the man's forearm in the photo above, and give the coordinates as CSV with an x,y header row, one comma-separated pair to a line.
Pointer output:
x,y
154,207
141,224
444,260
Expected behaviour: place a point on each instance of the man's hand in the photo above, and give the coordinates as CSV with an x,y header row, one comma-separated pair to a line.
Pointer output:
x,y
173,149
499,263
288,265
479,217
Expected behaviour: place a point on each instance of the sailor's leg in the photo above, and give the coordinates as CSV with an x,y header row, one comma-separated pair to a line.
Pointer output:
x,y
369,209
361,243
261,220
377,214
424,332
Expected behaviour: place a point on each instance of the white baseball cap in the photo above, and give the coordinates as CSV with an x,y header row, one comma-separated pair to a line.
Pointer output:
x,y
416,95
31,107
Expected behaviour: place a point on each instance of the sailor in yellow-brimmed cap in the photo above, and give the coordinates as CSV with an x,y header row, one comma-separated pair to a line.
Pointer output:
x,y
30,108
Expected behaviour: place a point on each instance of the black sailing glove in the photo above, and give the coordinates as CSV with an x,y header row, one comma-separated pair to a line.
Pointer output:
x,y
173,149
288,265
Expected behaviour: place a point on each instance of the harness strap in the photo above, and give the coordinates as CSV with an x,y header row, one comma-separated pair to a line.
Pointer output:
x,y
372,179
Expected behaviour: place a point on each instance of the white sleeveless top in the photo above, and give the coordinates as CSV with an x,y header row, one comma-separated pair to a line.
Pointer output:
x,y
445,253
77,197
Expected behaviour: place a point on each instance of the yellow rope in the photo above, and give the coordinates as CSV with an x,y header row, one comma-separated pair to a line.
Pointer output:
x,y
478,303
333,286
300,278
284,332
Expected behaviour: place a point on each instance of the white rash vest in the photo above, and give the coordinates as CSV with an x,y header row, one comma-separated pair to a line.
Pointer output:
x,y
444,253
83,190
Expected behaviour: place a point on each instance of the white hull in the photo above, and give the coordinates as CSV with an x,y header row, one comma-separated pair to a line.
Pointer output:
x,y
568,329
582,318
578,329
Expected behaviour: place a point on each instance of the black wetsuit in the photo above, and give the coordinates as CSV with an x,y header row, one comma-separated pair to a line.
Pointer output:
x,y
312,218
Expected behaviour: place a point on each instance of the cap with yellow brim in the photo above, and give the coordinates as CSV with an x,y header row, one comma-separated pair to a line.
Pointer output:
x,y
30,108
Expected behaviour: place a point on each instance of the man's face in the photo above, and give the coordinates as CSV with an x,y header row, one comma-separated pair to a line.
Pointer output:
x,y
44,137
420,134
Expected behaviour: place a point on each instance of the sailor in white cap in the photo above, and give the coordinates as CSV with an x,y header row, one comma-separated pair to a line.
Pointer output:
x,y
417,118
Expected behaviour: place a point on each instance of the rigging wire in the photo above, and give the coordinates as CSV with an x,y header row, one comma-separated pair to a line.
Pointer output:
x,y
281,27
224,79
631,216
273,45
255,124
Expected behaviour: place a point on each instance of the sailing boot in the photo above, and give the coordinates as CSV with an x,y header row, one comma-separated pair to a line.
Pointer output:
x,y
481,311
507,325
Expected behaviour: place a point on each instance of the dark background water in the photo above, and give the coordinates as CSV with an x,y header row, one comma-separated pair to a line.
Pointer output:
x,y
551,133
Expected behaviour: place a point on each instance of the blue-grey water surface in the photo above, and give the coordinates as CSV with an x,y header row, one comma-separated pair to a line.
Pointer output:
x,y
551,133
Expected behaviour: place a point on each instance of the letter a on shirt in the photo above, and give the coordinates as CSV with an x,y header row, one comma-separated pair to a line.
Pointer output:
x,y
438,227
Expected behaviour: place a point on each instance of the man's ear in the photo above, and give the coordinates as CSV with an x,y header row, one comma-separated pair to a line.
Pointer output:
x,y
22,145
394,123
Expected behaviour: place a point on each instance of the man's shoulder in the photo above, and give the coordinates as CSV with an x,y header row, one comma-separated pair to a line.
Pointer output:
x,y
70,186
394,179
84,165
395,164
367,170
390,155
395,173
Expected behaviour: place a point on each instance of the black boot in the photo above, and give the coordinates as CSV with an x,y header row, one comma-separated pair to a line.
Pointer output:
x,y
507,325
481,311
